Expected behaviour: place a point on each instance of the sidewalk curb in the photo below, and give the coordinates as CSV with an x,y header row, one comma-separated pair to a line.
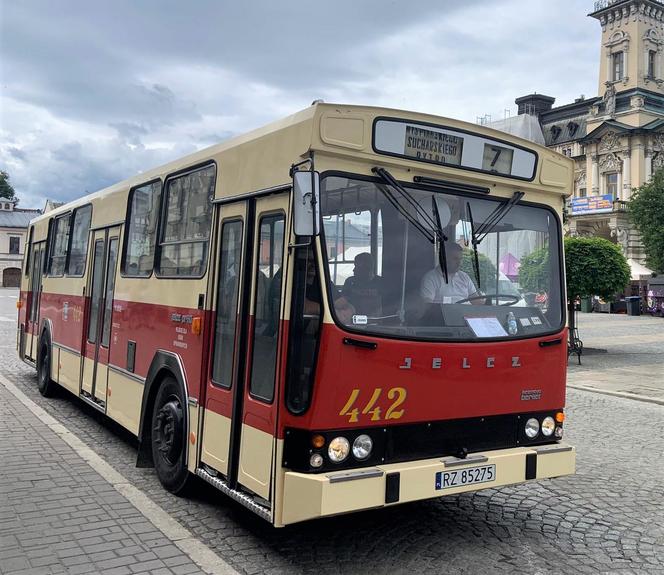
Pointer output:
x,y
623,394
197,551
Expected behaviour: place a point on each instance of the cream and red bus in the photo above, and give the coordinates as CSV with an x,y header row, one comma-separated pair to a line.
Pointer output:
x,y
326,315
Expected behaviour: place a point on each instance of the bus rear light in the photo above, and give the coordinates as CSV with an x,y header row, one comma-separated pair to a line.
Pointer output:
x,y
196,326
317,441
560,417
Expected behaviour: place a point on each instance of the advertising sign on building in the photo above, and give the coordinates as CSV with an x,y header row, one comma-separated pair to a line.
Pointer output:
x,y
592,204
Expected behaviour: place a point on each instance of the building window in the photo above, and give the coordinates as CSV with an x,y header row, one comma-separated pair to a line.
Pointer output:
x,y
612,185
651,64
567,152
582,192
618,66
14,245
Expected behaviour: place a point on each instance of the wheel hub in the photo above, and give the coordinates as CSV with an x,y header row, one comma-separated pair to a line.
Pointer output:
x,y
168,431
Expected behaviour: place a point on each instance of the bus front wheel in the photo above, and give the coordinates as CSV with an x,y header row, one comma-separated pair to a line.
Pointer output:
x,y
45,384
168,436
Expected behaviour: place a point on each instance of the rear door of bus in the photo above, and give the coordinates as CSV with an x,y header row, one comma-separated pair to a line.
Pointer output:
x,y
97,332
239,426
34,297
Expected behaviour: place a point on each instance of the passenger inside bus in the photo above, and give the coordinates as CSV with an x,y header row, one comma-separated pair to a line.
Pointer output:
x,y
459,286
363,289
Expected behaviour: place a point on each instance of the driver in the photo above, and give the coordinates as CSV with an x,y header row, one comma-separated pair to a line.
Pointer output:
x,y
433,288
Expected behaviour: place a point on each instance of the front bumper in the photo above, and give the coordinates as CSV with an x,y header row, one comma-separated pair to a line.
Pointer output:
x,y
307,496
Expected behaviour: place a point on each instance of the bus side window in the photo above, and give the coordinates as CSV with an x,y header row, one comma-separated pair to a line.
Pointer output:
x,y
141,236
267,306
59,246
304,331
184,240
78,248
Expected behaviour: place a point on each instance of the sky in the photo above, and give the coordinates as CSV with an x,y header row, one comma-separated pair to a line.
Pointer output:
x,y
93,92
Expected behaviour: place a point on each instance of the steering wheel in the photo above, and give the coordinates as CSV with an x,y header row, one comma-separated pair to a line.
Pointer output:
x,y
513,298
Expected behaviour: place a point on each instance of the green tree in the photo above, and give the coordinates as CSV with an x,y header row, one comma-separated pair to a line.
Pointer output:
x,y
594,266
534,272
646,210
6,189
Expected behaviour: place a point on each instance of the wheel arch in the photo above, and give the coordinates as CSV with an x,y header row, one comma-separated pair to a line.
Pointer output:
x,y
164,364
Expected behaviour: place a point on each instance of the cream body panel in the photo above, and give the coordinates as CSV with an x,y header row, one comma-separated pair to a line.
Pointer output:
x,y
192,446
216,439
256,460
88,371
125,396
70,370
55,363
306,496
101,382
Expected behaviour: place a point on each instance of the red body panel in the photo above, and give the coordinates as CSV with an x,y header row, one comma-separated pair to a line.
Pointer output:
x,y
449,392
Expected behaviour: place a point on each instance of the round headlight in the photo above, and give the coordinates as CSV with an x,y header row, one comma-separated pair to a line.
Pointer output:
x,y
559,432
316,460
548,426
532,428
338,449
362,446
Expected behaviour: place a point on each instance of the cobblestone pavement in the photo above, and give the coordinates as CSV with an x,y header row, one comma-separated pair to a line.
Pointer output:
x,y
608,518
632,358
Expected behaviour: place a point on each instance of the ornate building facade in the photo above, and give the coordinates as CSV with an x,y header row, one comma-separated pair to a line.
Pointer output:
x,y
616,138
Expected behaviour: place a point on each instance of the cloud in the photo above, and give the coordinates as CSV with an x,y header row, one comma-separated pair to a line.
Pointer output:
x,y
94,92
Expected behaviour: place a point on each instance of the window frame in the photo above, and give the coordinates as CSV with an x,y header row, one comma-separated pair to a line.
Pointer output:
x,y
618,65
127,221
161,224
254,290
615,195
71,236
650,71
28,250
243,228
52,238
18,248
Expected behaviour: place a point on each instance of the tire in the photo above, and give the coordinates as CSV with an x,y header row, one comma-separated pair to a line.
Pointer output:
x,y
45,384
169,437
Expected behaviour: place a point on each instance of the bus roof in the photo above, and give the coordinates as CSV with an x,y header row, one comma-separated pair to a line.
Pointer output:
x,y
329,129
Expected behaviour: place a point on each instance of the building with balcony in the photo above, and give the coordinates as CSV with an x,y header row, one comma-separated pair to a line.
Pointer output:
x,y
617,137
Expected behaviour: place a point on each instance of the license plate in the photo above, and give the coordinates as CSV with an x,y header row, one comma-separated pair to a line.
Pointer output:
x,y
460,477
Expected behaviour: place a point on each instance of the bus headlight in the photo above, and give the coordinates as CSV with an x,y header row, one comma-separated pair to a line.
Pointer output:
x,y
532,428
316,460
548,426
338,449
362,446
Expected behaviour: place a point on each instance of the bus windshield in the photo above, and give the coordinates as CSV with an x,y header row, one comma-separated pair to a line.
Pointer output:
x,y
499,277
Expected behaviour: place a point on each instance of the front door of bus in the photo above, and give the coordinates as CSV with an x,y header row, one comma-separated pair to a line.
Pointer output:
x,y
100,287
241,397
32,313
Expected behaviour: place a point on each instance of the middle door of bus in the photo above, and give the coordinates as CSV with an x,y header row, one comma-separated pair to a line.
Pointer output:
x,y
97,335
241,397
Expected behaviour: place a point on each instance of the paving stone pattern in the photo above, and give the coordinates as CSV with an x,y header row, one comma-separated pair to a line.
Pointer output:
x,y
57,515
608,518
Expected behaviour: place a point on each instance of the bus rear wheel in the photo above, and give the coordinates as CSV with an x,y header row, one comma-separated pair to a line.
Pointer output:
x,y
168,437
45,384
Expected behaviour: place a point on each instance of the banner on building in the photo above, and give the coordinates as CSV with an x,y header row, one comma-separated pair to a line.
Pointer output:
x,y
592,204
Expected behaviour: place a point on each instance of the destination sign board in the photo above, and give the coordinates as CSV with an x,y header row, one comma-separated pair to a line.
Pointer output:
x,y
451,147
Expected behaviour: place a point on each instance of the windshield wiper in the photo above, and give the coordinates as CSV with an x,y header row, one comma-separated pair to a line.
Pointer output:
x,y
438,238
473,240
496,216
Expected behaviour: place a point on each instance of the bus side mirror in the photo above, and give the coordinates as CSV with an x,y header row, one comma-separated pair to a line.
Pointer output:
x,y
306,196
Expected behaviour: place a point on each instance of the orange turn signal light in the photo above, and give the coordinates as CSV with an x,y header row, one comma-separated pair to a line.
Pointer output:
x,y
318,441
196,326
560,417
19,304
